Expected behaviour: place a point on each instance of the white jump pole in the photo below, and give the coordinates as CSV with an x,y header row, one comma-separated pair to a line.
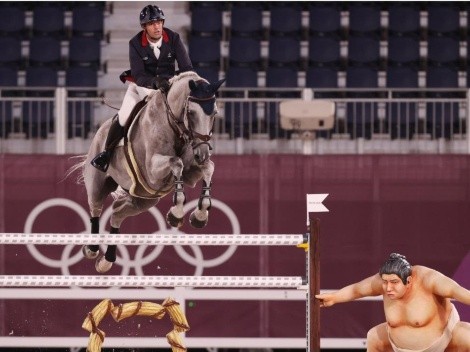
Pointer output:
x,y
151,239
150,281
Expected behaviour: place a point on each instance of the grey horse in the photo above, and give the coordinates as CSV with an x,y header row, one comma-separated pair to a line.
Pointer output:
x,y
168,146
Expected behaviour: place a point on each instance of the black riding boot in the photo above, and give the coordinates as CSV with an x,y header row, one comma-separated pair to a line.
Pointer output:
x,y
115,133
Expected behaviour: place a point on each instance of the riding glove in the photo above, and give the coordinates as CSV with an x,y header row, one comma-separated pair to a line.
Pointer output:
x,y
162,84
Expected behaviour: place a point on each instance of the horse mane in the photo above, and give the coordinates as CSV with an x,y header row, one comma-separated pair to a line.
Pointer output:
x,y
186,74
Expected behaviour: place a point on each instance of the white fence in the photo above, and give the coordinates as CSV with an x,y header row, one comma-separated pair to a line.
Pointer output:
x,y
63,121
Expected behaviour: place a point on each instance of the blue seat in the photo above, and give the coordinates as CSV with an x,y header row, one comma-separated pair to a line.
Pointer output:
x,y
325,19
85,51
246,19
321,77
206,21
324,51
13,21
240,117
443,51
286,19
403,51
245,51
363,51
284,50
279,77
45,51
38,116
209,73
48,20
8,78
88,21
443,19
204,51
403,19
361,117
80,114
364,18
402,117
11,52
442,117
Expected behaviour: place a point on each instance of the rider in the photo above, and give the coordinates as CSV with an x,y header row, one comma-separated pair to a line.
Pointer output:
x,y
152,55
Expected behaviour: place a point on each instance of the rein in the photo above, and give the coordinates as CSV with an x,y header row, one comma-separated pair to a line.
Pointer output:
x,y
186,133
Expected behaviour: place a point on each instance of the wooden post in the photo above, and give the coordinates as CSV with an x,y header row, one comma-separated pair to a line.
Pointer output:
x,y
314,286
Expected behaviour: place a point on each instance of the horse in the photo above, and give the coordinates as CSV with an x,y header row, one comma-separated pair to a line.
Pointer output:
x,y
166,148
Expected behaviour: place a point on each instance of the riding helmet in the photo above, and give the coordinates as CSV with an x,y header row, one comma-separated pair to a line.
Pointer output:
x,y
151,13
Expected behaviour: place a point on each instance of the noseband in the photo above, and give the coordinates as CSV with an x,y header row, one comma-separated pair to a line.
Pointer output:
x,y
186,133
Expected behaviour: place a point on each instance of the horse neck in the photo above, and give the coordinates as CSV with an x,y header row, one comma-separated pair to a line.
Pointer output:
x,y
177,102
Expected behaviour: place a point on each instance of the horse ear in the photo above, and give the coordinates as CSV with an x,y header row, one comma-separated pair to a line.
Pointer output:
x,y
217,85
192,85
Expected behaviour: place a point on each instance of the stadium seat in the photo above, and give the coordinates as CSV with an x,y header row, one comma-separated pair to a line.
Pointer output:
x,y
246,19
8,78
240,117
443,51
45,51
284,51
443,19
13,21
361,117
88,21
206,21
442,117
403,51
363,51
401,118
80,113
324,19
403,19
364,18
48,20
85,51
279,77
245,51
286,19
209,73
11,52
324,51
38,116
204,51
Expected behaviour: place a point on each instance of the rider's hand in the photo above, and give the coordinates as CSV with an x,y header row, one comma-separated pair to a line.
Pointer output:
x,y
162,84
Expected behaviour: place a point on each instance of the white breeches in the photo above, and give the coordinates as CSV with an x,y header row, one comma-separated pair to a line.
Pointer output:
x,y
133,95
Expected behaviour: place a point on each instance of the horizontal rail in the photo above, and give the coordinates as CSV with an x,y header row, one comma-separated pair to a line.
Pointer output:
x,y
150,281
152,239
189,342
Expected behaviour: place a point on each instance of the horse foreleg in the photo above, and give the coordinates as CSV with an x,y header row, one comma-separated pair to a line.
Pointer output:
x,y
105,262
92,251
200,216
175,216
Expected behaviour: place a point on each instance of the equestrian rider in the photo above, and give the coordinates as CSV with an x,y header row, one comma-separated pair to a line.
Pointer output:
x,y
152,55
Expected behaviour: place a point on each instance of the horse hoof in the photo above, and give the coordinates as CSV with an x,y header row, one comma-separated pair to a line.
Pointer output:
x,y
173,221
196,223
102,265
89,254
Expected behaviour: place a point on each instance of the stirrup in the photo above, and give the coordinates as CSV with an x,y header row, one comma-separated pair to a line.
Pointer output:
x,y
101,161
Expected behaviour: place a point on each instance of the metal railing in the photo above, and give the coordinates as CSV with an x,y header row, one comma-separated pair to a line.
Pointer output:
x,y
64,120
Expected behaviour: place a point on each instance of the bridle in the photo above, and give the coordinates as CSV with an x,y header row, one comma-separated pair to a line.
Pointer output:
x,y
186,133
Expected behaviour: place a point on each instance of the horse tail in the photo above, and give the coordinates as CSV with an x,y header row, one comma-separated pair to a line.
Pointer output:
x,y
79,165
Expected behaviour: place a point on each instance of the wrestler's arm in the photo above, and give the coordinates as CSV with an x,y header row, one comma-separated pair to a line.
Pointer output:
x,y
371,286
444,286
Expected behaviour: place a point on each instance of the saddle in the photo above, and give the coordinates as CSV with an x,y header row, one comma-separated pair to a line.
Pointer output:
x,y
139,187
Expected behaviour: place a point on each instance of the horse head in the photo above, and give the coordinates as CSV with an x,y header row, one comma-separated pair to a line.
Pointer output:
x,y
199,114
